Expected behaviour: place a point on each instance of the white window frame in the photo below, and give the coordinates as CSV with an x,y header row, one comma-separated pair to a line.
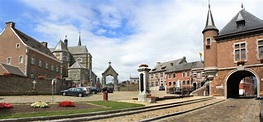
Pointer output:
x,y
40,63
258,51
240,51
33,59
20,59
46,65
8,60
206,40
17,45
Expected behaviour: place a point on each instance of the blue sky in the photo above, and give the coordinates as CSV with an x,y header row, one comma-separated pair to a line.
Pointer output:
x,y
126,32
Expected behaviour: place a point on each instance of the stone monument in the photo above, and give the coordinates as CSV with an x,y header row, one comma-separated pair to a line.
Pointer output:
x,y
143,82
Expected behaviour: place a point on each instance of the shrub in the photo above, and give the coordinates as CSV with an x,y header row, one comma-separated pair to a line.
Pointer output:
x,y
39,104
66,104
5,105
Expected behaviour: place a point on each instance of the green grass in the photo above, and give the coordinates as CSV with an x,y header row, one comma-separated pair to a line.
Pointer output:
x,y
109,105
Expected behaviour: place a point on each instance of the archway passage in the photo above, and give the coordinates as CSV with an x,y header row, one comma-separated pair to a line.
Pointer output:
x,y
233,83
110,72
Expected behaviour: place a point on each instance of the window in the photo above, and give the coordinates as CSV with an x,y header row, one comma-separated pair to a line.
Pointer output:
x,y
161,74
57,69
79,59
240,51
46,65
183,82
174,75
170,83
33,60
198,75
40,63
52,67
174,83
156,83
260,49
8,60
17,45
20,59
188,82
208,42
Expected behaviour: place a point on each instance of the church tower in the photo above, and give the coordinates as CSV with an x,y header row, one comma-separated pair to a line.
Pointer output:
x,y
210,45
61,52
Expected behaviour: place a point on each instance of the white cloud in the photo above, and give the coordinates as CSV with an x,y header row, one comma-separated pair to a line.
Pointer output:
x,y
161,30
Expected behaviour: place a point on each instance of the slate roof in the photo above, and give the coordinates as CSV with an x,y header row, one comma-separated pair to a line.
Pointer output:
x,y
78,49
159,67
77,65
12,69
185,66
29,41
60,47
210,24
251,23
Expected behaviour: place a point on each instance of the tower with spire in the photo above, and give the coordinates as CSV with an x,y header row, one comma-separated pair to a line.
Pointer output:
x,y
210,45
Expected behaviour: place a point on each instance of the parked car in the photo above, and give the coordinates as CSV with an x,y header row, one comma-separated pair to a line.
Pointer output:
x,y
93,90
108,89
80,91
161,88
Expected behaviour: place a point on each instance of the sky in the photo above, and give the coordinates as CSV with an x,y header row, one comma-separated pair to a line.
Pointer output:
x,y
125,32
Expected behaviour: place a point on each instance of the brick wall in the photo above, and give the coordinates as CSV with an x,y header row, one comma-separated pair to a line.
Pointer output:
x,y
15,85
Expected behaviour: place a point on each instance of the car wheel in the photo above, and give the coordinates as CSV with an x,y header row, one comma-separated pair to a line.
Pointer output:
x,y
64,94
80,95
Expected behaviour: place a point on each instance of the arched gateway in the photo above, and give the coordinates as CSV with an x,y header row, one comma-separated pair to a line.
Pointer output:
x,y
110,71
233,79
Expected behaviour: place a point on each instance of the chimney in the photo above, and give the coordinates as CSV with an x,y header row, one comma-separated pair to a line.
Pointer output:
x,y
66,41
44,43
10,24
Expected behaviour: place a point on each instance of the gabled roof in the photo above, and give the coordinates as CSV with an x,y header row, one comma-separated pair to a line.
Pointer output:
x,y
185,66
12,69
29,41
250,21
159,67
198,64
110,71
180,67
60,47
78,49
77,65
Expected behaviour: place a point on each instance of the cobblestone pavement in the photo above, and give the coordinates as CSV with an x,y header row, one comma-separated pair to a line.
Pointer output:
x,y
231,110
154,113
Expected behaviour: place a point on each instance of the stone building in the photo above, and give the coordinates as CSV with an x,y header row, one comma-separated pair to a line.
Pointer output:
x,y
77,63
233,53
157,74
22,53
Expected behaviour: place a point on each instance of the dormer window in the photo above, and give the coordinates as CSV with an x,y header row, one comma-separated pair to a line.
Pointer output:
x,y
17,45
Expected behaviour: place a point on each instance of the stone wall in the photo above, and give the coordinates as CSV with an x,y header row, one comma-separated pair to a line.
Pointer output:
x,y
16,85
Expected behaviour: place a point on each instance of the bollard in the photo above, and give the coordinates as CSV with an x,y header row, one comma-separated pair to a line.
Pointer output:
x,y
105,96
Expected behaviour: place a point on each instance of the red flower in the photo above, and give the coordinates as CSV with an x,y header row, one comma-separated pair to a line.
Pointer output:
x,y
41,77
6,74
66,104
5,105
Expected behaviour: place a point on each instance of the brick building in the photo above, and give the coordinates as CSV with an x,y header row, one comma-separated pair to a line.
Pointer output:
x,y
21,52
233,53
185,76
157,74
22,55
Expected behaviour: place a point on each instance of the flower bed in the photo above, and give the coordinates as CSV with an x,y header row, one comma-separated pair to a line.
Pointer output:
x,y
39,104
66,104
5,105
